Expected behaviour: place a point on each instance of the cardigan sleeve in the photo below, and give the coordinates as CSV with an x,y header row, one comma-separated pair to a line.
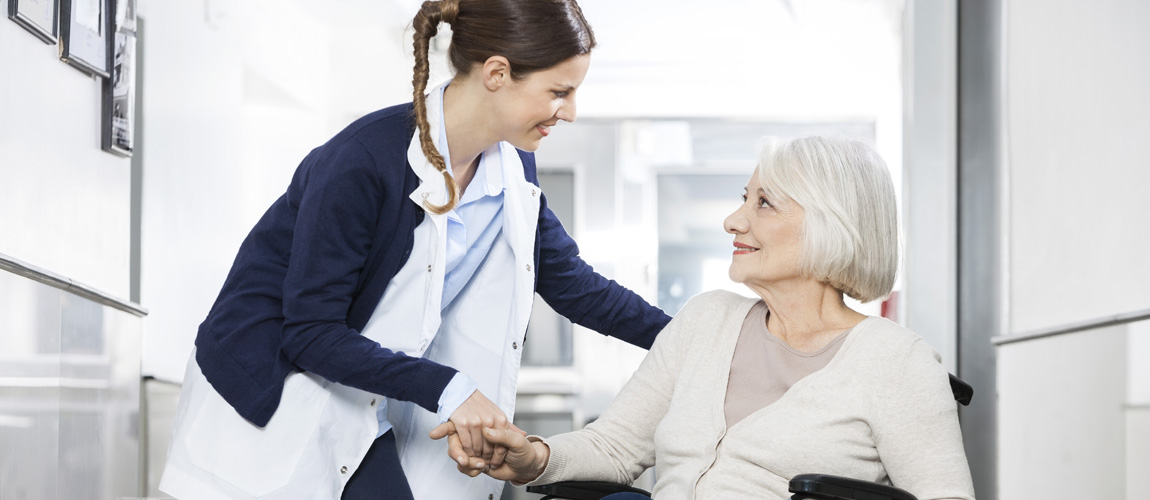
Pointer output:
x,y
571,287
338,202
620,444
917,436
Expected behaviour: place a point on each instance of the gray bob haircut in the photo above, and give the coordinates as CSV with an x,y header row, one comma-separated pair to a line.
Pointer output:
x,y
850,230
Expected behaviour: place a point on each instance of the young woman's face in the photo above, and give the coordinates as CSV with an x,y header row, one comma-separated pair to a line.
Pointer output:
x,y
531,106
768,238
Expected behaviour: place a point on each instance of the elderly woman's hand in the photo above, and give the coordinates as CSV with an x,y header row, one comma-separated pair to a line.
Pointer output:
x,y
525,460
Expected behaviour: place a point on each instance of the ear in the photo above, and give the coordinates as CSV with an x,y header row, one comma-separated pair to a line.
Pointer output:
x,y
496,72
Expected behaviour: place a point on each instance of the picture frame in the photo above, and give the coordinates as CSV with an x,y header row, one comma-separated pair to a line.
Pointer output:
x,y
119,95
37,16
85,35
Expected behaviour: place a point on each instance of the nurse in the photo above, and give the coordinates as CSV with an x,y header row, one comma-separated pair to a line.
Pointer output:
x,y
388,290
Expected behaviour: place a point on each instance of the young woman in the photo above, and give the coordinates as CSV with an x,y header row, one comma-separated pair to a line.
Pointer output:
x,y
388,290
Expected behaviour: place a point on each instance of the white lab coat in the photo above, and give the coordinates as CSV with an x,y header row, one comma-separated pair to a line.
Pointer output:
x,y
321,430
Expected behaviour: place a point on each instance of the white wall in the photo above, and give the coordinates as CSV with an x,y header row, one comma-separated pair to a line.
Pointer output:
x,y
64,203
1078,119
1072,415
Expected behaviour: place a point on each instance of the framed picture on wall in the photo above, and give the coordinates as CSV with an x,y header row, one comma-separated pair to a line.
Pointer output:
x,y
36,16
84,35
118,133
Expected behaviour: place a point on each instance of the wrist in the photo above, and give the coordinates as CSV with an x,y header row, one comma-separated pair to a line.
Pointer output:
x,y
542,456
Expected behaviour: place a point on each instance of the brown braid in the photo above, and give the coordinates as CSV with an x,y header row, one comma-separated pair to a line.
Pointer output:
x,y
426,24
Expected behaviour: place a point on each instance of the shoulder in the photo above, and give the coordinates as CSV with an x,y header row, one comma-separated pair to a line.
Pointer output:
x,y
365,147
384,132
887,332
888,344
721,299
705,323
716,305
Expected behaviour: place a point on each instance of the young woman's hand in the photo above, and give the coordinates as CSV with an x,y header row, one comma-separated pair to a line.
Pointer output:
x,y
468,422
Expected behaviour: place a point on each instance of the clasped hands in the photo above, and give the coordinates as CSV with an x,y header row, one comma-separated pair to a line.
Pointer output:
x,y
481,439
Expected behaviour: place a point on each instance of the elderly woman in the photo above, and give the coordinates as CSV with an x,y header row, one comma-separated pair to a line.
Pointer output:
x,y
739,395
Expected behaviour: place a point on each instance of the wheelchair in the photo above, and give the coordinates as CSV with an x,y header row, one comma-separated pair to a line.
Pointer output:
x,y
804,486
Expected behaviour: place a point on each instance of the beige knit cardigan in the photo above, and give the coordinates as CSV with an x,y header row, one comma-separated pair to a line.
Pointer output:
x,y
881,410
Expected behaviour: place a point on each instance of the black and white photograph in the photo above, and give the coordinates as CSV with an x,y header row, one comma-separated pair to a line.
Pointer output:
x,y
120,97
84,35
36,16
120,87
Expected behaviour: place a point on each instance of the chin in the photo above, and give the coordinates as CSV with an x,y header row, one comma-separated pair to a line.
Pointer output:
x,y
528,145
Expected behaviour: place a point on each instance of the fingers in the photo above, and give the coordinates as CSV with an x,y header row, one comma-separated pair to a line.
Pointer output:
x,y
476,435
488,449
517,429
472,467
506,437
455,451
498,456
442,430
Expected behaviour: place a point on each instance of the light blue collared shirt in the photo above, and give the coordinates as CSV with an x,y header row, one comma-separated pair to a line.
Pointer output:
x,y
471,230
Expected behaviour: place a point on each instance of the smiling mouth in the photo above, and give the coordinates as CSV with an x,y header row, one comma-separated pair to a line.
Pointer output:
x,y
741,249
544,128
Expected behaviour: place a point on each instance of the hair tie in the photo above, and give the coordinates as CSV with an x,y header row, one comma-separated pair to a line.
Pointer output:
x,y
448,11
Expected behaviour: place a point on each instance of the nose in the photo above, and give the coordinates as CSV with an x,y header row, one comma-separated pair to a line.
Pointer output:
x,y
737,223
566,111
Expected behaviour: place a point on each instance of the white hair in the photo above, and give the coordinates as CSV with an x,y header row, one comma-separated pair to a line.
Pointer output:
x,y
850,230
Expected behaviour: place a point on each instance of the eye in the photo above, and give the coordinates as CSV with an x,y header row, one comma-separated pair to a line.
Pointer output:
x,y
744,198
560,94
763,203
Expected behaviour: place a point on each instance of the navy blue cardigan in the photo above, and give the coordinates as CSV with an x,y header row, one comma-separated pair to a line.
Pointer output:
x,y
312,270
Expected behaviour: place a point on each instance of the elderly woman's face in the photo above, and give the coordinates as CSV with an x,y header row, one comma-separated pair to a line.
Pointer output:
x,y
768,238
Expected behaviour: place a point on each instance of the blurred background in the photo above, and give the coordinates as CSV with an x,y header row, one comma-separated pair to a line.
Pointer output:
x,y
1017,133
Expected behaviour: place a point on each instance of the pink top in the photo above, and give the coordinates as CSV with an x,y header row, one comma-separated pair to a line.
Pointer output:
x,y
764,367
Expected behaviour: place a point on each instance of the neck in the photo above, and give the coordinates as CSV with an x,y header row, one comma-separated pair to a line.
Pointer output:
x,y
468,133
806,314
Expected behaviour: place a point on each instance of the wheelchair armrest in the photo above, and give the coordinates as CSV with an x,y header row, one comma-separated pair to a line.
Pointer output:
x,y
824,487
582,490
963,392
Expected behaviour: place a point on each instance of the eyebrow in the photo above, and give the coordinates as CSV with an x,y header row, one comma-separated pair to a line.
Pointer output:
x,y
565,87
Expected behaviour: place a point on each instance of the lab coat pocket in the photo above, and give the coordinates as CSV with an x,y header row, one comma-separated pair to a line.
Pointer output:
x,y
254,459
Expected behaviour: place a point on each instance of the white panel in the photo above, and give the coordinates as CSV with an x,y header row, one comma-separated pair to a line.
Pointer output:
x,y
1078,123
1138,362
1061,420
1138,411
1137,453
